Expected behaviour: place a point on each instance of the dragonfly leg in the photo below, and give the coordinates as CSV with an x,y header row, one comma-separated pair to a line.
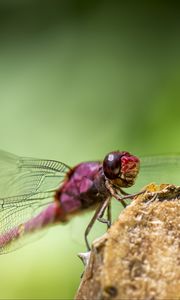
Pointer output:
x,y
98,214
115,194
109,216
131,196
107,221
123,192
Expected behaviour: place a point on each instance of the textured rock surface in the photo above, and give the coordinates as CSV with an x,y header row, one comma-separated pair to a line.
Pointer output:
x,y
139,256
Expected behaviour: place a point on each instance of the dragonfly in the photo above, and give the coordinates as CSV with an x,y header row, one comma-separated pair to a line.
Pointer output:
x,y
37,193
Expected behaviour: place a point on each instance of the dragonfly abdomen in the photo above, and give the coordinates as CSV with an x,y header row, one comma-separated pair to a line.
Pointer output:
x,y
53,213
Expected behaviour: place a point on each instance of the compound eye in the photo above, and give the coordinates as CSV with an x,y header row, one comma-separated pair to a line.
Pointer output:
x,y
112,165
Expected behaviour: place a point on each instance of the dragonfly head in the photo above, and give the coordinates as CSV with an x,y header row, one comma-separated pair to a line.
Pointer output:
x,y
121,168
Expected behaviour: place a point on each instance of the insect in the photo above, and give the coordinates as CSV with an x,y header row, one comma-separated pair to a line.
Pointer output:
x,y
37,193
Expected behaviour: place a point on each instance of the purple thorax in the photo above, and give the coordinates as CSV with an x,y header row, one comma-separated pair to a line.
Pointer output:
x,y
84,187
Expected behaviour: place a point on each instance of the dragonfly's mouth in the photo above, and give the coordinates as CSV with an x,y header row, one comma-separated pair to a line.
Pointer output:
x,y
131,174
129,179
124,182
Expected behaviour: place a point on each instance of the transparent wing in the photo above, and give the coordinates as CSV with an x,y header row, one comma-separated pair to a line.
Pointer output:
x,y
27,188
158,169
17,214
21,175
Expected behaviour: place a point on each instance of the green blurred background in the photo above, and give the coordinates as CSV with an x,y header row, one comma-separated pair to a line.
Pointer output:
x,y
79,79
